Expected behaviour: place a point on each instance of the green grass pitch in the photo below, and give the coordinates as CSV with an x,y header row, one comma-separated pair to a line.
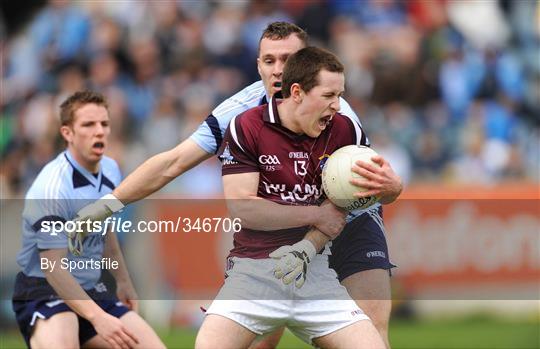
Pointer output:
x,y
466,333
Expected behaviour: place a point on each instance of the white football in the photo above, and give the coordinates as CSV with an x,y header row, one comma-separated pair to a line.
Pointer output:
x,y
337,173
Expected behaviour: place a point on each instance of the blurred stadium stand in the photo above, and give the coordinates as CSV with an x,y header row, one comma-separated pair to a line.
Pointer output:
x,y
446,98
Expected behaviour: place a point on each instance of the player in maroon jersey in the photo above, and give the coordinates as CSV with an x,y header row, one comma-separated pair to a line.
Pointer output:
x,y
272,157
359,254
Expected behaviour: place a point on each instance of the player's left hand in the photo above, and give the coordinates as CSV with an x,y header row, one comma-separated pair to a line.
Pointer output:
x,y
75,242
126,294
99,210
292,262
380,181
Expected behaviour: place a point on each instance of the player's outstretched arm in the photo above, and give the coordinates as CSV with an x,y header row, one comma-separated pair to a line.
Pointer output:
x,y
379,180
65,285
125,291
148,178
159,170
260,214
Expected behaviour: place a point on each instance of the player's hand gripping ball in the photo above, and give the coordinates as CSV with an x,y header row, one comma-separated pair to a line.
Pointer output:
x,y
337,174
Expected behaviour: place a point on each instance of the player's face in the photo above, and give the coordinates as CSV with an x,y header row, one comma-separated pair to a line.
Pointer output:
x,y
321,103
271,60
87,136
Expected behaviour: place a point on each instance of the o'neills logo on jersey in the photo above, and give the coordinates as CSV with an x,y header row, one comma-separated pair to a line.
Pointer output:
x,y
298,155
372,254
226,158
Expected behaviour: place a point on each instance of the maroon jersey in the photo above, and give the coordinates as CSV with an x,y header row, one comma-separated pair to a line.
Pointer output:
x,y
289,166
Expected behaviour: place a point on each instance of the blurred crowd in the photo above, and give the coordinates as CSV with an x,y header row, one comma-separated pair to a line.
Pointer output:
x,y
448,91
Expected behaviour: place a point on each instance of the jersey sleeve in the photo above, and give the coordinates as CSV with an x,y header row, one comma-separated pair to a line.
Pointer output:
x,y
238,151
209,135
46,217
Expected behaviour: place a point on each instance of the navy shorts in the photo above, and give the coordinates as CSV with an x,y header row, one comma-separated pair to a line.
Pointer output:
x,y
34,298
361,246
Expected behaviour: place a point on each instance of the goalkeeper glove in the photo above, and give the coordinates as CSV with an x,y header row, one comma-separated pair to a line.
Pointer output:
x,y
292,262
100,209
96,211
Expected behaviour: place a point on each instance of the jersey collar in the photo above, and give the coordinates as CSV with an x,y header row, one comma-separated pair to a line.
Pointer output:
x,y
264,100
270,113
81,177
267,97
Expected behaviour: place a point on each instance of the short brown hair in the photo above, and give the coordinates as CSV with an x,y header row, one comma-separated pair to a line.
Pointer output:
x,y
304,66
77,100
282,30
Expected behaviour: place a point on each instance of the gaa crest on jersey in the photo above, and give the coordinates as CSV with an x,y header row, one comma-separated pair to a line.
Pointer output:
x,y
226,157
270,163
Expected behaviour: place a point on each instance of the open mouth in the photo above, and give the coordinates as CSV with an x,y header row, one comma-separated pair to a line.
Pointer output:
x,y
277,84
325,121
98,145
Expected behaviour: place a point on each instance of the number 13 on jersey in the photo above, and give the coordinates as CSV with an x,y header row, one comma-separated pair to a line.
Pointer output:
x,y
300,167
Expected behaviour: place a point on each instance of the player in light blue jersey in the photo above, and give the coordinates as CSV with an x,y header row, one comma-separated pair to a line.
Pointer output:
x,y
366,278
60,190
58,299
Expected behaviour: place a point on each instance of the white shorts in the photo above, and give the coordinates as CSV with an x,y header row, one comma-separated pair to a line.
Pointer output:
x,y
255,299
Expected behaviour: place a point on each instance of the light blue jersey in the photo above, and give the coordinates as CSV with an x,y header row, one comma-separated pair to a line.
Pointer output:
x,y
60,190
210,133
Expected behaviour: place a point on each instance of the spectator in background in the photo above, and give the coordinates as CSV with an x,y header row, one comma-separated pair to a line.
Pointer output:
x,y
60,32
141,86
